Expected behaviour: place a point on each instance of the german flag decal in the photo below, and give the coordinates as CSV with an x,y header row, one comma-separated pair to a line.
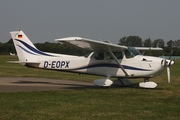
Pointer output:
x,y
19,36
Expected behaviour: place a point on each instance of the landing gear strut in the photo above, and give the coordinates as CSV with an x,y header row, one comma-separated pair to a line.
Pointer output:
x,y
122,82
146,79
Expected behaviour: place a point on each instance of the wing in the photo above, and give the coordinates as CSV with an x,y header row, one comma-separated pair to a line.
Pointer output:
x,y
147,48
143,49
93,45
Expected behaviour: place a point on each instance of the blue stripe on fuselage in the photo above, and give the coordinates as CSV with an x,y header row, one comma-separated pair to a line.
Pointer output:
x,y
112,66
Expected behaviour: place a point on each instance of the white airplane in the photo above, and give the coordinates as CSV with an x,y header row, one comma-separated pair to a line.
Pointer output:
x,y
107,59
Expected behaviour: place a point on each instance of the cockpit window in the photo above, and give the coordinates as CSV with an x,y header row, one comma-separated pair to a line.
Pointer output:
x,y
97,56
131,52
134,51
87,55
128,53
117,54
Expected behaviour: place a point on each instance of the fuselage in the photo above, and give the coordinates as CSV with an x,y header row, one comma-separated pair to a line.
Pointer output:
x,y
137,66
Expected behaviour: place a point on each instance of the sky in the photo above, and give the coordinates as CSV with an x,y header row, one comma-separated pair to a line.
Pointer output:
x,y
46,20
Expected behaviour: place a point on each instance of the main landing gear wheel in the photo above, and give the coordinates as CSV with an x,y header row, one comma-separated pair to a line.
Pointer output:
x,y
104,82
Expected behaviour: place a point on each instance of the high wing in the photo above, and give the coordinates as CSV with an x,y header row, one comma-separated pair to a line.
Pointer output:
x,y
94,45
98,46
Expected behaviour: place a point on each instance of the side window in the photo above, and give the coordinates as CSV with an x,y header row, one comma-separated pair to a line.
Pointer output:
x,y
108,56
97,56
117,54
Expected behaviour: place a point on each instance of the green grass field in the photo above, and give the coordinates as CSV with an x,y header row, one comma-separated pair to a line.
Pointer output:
x,y
123,103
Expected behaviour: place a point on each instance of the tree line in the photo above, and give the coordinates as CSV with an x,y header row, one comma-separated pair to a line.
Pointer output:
x,y
7,48
171,47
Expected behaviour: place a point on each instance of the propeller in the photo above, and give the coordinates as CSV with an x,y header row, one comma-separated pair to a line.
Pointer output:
x,y
168,74
168,64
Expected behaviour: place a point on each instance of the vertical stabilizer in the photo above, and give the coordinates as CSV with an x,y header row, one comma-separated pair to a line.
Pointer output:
x,y
25,49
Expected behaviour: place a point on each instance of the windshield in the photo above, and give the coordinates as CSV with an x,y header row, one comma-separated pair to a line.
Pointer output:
x,y
87,55
134,51
131,52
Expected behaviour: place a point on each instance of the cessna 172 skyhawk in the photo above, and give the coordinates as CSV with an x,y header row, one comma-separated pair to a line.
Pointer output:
x,y
107,59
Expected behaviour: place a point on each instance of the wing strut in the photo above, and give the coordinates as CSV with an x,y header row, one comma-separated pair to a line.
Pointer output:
x,y
117,62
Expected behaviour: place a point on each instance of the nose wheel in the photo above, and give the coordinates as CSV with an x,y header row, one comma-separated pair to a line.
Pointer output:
x,y
147,84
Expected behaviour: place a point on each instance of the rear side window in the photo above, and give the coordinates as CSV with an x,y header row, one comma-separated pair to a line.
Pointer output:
x,y
97,56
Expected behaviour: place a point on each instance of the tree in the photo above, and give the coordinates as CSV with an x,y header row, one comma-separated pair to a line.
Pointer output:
x,y
169,48
158,43
176,44
131,41
6,48
10,41
176,48
147,43
122,41
60,48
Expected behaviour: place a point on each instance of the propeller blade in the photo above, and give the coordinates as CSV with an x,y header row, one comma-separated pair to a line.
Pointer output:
x,y
168,74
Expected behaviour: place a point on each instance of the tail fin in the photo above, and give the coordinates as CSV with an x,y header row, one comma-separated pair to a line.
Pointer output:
x,y
25,49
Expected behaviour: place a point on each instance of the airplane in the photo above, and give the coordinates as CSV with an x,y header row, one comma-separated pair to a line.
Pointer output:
x,y
106,59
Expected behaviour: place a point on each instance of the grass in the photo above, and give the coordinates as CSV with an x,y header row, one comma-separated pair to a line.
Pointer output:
x,y
122,103
17,70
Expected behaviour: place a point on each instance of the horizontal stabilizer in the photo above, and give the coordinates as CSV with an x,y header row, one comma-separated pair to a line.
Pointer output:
x,y
23,62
